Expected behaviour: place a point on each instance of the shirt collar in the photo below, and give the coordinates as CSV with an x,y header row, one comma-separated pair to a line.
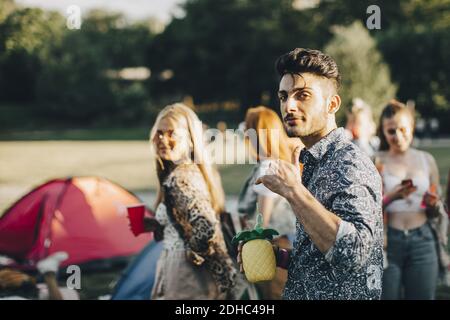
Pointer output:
x,y
320,148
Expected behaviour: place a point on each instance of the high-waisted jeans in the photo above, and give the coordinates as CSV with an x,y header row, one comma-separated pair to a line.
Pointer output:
x,y
412,270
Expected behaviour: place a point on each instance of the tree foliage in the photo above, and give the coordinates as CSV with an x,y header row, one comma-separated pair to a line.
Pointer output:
x,y
229,47
364,73
221,52
62,72
25,35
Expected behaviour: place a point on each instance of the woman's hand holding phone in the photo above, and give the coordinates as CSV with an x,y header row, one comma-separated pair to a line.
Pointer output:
x,y
403,190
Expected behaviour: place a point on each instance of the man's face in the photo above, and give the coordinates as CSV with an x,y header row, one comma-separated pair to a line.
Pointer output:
x,y
304,103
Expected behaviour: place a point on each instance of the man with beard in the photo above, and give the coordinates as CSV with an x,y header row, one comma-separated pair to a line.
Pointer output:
x,y
337,252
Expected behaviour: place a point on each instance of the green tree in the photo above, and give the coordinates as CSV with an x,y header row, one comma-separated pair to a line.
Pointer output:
x,y
6,7
364,73
25,36
417,51
73,84
414,40
224,50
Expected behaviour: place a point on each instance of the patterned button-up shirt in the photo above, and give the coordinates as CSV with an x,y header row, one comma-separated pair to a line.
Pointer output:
x,y
345,181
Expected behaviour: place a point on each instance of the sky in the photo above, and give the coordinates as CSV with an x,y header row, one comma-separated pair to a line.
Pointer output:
x,y
132,9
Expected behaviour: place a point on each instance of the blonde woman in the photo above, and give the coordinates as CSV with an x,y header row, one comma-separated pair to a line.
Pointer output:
x,y
194,263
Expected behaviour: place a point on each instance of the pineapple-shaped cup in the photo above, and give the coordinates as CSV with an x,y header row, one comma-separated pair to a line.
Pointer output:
x,y
258,258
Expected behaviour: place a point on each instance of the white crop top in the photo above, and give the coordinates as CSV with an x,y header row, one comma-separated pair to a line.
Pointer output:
x,y
172,239
412,203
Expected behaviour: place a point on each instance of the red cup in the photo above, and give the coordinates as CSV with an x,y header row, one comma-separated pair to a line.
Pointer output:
x,y
136,216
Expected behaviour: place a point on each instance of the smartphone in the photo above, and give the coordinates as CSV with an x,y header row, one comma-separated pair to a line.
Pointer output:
x,y
408,183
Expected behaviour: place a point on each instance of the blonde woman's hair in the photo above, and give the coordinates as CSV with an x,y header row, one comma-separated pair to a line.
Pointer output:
x,y
184,116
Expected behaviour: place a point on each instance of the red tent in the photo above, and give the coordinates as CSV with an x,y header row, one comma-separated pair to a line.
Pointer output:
x,y
84,216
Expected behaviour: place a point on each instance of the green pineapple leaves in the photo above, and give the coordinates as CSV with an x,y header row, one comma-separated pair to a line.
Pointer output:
x,y
258,232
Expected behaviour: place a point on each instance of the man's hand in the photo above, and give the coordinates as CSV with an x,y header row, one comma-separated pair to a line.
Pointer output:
x,y
281,176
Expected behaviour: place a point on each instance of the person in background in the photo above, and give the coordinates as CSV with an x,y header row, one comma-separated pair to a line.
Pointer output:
x,y
194,263
414,212
362,128
268,140
17,285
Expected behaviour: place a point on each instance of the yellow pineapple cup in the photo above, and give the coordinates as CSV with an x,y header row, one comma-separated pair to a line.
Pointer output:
x,y
258,257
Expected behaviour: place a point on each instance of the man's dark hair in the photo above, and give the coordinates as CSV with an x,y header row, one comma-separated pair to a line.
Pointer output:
x,y
302,60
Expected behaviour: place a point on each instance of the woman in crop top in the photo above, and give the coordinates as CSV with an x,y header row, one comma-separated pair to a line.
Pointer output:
x,y
410,179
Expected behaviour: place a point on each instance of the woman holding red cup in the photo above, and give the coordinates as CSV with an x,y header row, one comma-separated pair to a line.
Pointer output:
x,y
194,263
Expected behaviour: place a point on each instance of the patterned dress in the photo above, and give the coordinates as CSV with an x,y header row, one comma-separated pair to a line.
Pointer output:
x,y
194,263
345,182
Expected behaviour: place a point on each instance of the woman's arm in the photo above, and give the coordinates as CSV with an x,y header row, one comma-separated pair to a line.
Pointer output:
x,y
265,205
379,164
432,197
434,173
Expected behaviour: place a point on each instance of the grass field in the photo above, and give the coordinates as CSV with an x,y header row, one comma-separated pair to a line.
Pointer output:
x,y
26,164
